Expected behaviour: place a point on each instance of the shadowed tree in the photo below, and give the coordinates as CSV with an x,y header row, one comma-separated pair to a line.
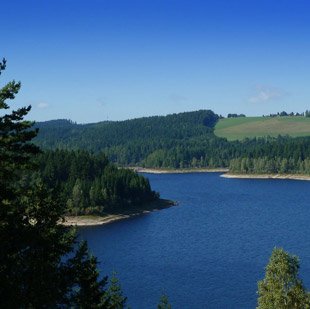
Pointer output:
x,y
89,291
35,271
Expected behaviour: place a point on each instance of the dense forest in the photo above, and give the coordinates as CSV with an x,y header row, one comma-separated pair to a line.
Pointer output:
x,y
265,165
43,264
183,140
90,184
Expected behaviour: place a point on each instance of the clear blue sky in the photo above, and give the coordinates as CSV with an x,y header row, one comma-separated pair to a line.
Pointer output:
x,y
96,59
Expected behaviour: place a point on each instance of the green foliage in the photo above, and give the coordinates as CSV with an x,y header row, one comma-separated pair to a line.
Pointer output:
x,y
89,289
137,141
90,184
115,295
183,140
35,269
109,134
22,228
164,303
281,288
265,165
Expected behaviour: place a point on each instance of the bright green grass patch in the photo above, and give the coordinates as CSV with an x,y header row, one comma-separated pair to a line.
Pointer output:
x,y
240,128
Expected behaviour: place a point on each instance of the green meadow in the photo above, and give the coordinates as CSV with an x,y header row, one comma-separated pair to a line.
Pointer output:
x,y
243,127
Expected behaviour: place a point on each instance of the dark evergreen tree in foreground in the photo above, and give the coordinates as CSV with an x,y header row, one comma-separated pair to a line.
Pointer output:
x,y
281,288
35,269
88,286
19,223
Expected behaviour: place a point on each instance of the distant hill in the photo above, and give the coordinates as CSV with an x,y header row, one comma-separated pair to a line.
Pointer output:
x,y
98,136
250,127
185,140
134,141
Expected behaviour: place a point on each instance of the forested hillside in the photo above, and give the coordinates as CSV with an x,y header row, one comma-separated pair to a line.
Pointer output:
x,y
183,140
102,135
90,184
133,142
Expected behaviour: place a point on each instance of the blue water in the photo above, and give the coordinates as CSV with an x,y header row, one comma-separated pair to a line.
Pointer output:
x,y
211,249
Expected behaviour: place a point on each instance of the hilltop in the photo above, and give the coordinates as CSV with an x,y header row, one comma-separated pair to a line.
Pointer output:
x,y
187,141
98,136
250,127
135,141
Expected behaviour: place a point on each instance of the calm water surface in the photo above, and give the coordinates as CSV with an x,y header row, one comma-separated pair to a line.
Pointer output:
x,y
211,249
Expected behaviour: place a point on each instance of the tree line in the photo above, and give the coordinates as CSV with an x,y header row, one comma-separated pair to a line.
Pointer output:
x,y
89,184
183,140
265,165
42,263
291,114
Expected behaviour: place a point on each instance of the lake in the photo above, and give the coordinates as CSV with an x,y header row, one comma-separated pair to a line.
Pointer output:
x,y
211,249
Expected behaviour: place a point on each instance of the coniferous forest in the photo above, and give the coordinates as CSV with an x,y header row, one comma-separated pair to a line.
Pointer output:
x,y
183,140
89,184
42,264
155,154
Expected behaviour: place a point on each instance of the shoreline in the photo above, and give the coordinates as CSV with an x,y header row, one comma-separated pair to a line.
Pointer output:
x,y
267,176
220,170
94,220
178,171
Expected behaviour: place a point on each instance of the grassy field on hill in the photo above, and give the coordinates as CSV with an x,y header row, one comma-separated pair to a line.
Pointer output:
x,y
184,140
240,128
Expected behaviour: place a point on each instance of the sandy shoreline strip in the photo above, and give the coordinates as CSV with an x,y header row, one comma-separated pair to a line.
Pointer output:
x,y
163,204
266,176
220,170
95,220
110,218
179,171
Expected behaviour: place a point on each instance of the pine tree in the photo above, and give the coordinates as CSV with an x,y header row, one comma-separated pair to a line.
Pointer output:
x,y
15,160
281,288
164,303
34,268
114,294
89,291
